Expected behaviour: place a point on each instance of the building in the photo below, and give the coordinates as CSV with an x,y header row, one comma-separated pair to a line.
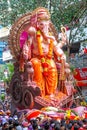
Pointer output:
x,y
4,51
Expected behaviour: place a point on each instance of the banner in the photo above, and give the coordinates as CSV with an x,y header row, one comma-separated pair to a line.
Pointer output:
x,y
82,83
80,74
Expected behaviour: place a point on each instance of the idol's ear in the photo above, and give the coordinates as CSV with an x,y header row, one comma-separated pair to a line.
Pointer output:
x,y
23,38
18,35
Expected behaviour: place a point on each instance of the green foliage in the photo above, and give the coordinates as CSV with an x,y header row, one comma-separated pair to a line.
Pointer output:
x,y
72,68
10,69
63,11
2,96
2,67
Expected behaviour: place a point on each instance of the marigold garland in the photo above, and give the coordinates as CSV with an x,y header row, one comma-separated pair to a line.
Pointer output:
x,y
44,60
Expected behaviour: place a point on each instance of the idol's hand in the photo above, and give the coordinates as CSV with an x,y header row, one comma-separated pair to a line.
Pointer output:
x,y
64,38
63,35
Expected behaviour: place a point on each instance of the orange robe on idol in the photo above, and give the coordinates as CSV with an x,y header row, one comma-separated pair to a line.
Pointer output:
x,y
47,84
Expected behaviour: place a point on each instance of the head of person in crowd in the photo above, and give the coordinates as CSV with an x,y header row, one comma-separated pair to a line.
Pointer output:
x,y
10,120
80,123
76,127
46,125
85,121
11,127
69,126
25,125
5,126
17,125
57,126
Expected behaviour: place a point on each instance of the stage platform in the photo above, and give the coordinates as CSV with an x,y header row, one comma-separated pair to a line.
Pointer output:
x,y
58,100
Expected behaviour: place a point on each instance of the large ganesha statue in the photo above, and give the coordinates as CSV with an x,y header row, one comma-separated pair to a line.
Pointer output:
x,y
37,52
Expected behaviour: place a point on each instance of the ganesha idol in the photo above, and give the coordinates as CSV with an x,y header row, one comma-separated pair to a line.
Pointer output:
x,y
42,48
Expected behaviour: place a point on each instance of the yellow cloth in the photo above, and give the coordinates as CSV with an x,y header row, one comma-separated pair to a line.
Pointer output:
x,y
47,84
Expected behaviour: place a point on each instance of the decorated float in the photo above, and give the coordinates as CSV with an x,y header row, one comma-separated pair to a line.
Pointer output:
x,y
41,73
48,113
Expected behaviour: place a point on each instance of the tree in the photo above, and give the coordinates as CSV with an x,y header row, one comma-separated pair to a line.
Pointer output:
x,y
2,97
10,68
71,13
62,11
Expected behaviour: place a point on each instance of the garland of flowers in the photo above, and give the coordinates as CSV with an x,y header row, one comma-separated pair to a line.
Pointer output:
x,y
45,61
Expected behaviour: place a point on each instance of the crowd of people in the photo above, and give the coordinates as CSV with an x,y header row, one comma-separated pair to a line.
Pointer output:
x,y
19,122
